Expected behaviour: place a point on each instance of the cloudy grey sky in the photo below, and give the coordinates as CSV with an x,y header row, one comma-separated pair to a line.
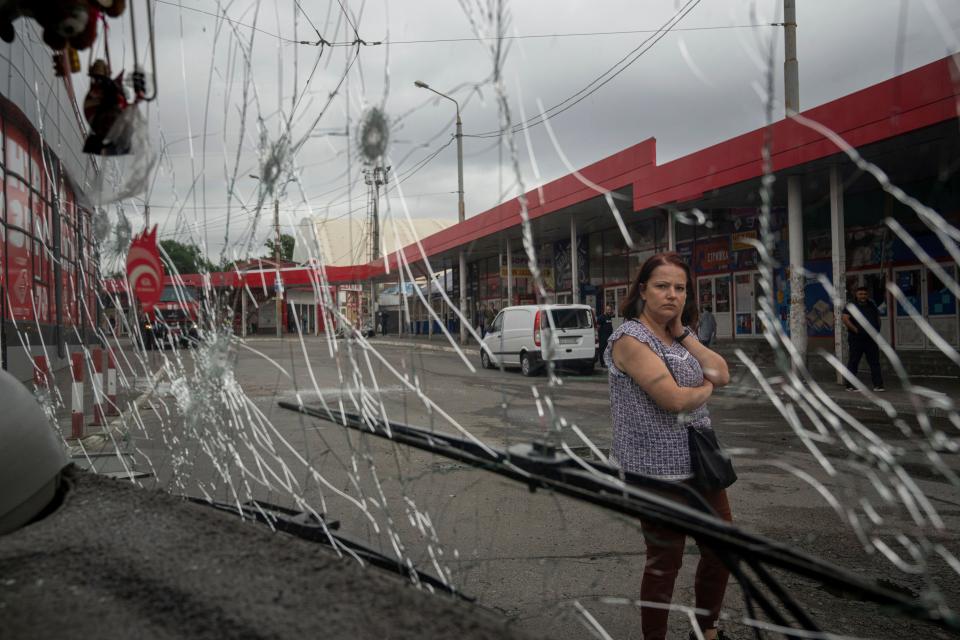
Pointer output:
x,y
222,83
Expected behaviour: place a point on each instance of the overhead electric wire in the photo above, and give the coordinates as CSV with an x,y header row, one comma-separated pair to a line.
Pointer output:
x,y
533,36
218,221
530,36
321,42
230,20
593,86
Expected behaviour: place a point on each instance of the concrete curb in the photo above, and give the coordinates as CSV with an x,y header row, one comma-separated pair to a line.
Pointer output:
x,y
844,399
749,393
421,345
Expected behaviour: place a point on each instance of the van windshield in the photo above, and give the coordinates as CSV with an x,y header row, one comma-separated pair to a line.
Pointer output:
x,y
571,318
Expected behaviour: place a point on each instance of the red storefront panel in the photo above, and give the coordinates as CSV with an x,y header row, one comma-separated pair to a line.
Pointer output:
x,y
68,242
19,249
69,293
19,275
41,301
17,157
3,238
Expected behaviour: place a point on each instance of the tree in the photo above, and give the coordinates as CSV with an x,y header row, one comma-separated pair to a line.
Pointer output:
x,y
286,247
185,258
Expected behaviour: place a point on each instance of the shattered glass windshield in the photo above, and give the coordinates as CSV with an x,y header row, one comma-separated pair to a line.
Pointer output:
x,y
343,196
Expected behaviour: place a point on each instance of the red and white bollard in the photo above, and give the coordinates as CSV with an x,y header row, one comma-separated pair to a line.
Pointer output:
x,y
112,408
76,402
98,397
41,372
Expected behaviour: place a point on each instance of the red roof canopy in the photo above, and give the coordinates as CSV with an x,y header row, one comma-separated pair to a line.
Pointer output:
x,y
919,98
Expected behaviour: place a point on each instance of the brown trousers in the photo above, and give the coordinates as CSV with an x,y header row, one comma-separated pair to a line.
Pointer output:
x,y
664,557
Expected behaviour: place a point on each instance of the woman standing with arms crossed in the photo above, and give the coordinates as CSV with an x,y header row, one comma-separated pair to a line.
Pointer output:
x,y
652,406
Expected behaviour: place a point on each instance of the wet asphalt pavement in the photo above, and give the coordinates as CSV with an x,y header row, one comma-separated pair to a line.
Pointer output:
x,y
531,555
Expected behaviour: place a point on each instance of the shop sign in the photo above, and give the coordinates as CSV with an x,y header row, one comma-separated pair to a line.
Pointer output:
x,y
713,255
144,269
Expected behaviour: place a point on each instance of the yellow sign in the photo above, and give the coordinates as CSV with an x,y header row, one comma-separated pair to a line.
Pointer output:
x,y
524,272
740,240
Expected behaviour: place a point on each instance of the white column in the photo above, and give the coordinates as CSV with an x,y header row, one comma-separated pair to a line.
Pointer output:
x,y
671,231
373,307
500,278
509,274
574,263
839,250
243,311
798,319
430,306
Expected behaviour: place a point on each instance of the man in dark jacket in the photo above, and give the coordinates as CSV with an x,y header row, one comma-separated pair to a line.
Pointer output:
x,y
604,331
861,343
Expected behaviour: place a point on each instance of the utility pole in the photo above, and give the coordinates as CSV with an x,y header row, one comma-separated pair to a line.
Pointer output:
x,y
278,284
791,92
375,178
791,67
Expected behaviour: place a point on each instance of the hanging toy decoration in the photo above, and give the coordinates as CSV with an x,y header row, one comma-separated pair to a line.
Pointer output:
x,y
103,108
145,269
64,22
116,126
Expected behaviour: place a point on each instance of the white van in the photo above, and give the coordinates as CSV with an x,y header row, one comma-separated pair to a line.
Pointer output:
x,y
529,335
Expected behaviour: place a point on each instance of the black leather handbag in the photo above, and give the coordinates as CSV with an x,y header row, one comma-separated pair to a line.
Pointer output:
x,y
712,468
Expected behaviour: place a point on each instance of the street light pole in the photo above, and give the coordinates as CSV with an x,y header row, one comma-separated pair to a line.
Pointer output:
x,y
461,209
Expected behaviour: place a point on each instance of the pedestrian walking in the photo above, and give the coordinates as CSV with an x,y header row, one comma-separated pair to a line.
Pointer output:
x,y
487,318
861,342
707,330
604,329
661,377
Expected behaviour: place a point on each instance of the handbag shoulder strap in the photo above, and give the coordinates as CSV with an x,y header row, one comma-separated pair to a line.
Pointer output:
x,y
663,356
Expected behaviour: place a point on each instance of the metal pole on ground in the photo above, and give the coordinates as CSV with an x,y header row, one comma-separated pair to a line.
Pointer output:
x,y
41,373
112,408
76,399
96,355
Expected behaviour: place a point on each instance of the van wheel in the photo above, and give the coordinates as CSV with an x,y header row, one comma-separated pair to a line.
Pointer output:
x,y
526,365
485,360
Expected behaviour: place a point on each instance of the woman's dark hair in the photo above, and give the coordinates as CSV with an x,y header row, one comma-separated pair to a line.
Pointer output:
x,y
632,304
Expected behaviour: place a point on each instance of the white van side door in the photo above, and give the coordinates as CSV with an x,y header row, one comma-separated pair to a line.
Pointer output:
x,y
517,334
494,338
